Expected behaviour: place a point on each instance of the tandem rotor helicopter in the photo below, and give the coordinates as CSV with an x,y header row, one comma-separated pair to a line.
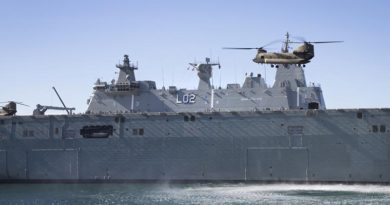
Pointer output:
x,y
9,109
300,55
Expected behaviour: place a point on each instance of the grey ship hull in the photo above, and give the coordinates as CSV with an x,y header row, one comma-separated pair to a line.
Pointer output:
x,y
349,146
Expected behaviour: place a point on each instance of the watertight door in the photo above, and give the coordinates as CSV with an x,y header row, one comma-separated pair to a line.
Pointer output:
x,y
277,164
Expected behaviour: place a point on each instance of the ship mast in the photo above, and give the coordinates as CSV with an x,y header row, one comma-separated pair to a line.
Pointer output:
x,y
205,72
126,73
285,48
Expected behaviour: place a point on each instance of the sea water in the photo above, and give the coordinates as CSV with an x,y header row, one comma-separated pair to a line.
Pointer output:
x,y
165,193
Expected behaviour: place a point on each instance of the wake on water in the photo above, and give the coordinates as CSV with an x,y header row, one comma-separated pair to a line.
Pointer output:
x,y
281,194
193,194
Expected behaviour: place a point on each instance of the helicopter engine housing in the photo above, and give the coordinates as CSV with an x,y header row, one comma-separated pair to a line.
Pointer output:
x,y
305,51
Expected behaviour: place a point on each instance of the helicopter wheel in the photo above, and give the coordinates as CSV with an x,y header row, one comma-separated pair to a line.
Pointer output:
x,y
304,65
272,65
277,66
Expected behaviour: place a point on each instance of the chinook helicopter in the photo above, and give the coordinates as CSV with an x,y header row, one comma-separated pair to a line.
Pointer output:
x,y
10,108
301,55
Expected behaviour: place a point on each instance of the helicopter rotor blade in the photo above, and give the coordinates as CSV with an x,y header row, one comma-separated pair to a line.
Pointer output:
x,y
238,48
299,38
19,103
316,42
325,41
250,48
271,43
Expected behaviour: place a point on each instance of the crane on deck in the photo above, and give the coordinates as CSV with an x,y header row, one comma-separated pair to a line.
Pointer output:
x,y
41,109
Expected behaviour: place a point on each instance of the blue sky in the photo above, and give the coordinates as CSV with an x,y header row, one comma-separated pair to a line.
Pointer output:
x,y
69,44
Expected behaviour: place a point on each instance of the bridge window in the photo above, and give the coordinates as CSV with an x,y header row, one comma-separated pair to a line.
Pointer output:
x,y
359,115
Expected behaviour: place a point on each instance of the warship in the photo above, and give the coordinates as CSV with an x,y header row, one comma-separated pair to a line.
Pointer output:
x,y
132,131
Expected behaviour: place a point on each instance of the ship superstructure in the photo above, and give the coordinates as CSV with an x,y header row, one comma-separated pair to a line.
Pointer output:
x,y
127,95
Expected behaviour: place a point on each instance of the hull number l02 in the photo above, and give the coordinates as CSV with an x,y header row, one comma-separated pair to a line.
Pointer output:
x,y
186,98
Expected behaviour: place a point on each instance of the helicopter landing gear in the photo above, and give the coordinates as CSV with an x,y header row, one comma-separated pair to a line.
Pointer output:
x,y
277,66
272,65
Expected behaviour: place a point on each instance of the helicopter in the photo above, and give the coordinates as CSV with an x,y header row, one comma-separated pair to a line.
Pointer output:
x,y
10,108
301,55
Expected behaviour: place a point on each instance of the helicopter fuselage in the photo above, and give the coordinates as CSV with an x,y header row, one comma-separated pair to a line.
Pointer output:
x,y
301,55
280,58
